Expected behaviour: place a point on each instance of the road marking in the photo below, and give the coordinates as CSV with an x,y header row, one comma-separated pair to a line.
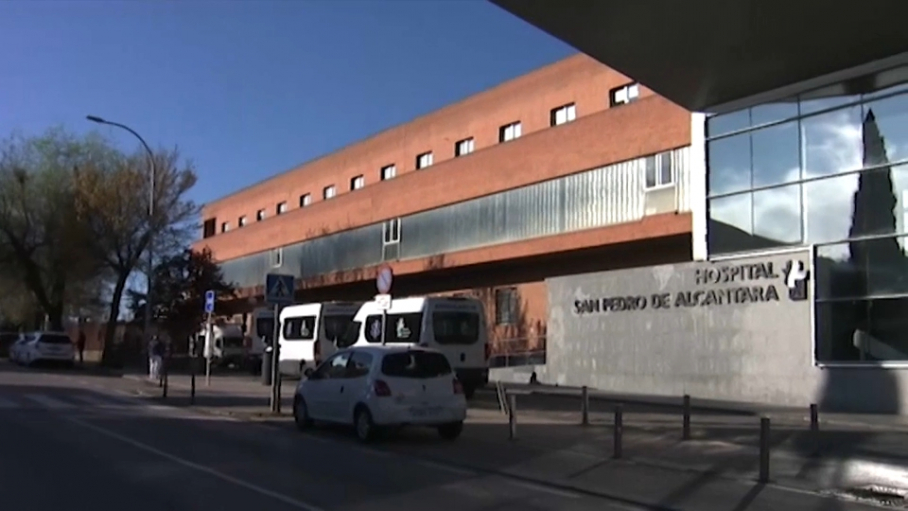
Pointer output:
x,y
49,402
8,403
96,401
544,489
195,466
447,468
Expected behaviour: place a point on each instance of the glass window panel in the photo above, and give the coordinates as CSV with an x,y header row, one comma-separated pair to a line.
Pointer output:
x,y
860,269
828,207
665,168
777,215
729,164
772,112
832,142
776,155
731,225
862,330
650,162
726,123
891,118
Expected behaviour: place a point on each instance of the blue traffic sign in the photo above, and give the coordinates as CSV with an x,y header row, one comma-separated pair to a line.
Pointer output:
x,y
209,301
279,289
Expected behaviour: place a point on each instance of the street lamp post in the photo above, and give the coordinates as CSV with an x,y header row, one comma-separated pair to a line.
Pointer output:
x,y
151,198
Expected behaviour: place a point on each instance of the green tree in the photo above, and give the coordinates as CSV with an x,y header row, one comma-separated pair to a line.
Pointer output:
x,y
43,242
180,283
114,202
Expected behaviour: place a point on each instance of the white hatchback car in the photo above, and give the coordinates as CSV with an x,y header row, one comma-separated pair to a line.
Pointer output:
x,y
379,387
52,347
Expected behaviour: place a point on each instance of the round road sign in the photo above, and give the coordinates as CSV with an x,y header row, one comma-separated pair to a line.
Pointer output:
x,y
383,280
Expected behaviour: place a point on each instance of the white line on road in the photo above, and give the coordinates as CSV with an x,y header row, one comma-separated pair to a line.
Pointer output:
x,y
96,401
447,468
196,466
49,402
544,489
8,403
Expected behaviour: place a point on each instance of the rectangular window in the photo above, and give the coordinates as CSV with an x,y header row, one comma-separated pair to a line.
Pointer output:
x,y
399,328
260,215
300,328
388,172
424,160
242,221
509,132
391,231
659,170
277,257
281,208
305,200
563,114
329,192
415,364
464,147
357,182
455,327
208,227
624,94
506,304
225,226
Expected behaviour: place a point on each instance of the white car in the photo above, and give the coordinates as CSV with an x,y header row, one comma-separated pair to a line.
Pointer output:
x,y
56,347
379,387
17,348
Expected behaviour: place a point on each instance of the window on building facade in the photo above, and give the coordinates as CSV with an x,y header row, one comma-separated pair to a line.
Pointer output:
x,y
563,114
388,172
506,306
260,215
305,199
277,257
463,147
826,168
424,160
659,170
225,226
357,182
241,221
208,227
624,94
281,208
329,192
391,231
509,132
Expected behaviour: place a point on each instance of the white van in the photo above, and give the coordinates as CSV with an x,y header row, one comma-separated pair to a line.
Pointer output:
x,y
453,326
262,330
311,332
226,343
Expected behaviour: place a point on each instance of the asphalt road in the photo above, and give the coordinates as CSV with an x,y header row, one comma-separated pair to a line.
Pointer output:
x,y
69,441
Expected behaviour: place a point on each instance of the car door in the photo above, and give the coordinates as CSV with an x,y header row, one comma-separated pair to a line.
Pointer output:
x,y
356,384
327,394
314,391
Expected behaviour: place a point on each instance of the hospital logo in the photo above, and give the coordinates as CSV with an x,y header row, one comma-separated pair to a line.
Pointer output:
x,y
796,279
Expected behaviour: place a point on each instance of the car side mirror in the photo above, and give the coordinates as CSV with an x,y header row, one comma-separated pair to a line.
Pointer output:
x,y
308,372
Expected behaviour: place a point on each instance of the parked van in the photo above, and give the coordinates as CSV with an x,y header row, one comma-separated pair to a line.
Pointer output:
x,y
226,344
311,332
451,325
261,333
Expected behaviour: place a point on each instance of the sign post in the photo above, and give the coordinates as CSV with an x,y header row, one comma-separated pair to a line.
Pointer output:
x,y
209,309
383,284
278,292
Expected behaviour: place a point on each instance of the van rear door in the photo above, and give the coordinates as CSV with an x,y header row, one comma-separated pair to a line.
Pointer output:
x,y
459,333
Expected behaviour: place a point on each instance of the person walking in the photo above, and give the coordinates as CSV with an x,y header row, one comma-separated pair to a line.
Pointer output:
x,y
80,345
152,366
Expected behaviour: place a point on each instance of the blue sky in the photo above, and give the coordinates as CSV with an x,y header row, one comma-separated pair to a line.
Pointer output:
x,y
251,88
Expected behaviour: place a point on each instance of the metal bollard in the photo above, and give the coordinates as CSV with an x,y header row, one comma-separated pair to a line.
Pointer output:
x,y
164,382
619,431
192,380
815,428
685,424
585,406
764,450
512,417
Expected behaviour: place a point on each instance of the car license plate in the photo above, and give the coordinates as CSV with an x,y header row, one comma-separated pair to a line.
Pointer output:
x,y
424,411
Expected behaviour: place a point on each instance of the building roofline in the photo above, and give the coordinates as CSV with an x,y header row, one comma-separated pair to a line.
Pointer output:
x,y
577,56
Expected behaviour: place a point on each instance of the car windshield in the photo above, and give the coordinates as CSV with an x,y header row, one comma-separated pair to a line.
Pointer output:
x,y
55,339
415,364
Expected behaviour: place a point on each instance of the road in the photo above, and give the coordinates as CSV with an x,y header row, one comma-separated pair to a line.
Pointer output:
x,y
73,440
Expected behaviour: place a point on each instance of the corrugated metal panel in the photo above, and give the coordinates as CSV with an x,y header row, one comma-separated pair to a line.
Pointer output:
x,y
605,196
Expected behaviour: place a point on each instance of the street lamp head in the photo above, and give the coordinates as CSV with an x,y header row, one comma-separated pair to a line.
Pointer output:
x,y
95,118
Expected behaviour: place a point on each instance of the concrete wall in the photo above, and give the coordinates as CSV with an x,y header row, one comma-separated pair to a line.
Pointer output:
x,y
607,330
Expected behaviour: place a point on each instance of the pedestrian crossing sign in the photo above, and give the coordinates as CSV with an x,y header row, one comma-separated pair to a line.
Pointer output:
x,y
279,289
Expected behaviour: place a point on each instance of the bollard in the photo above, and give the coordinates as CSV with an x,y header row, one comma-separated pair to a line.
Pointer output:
x,y
815,428
585,406
512,417
192,360
619,431
764,450
685,424
164,381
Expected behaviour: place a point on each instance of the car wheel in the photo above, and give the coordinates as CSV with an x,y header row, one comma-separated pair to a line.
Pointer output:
x,y
450,431
301,414
362,422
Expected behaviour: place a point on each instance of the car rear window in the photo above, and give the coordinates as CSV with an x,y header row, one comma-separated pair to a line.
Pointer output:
x,y
415,364
55,339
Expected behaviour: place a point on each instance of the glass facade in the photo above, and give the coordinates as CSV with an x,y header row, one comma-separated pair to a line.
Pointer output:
x,y
827,168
